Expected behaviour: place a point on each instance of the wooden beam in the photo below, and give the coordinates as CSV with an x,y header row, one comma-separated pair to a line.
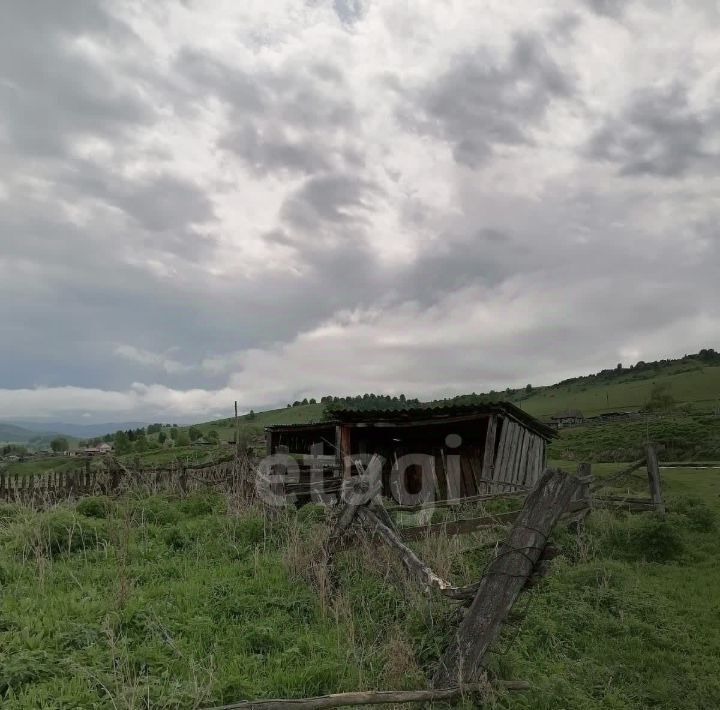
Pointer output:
x,y
373,697
489,453
654,478
412,563
603,482
505,577
343,449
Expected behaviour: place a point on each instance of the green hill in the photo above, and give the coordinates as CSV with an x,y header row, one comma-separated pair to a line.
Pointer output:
x,y
12,434
692,384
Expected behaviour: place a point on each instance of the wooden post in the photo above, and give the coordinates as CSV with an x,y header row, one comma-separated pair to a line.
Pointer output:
x,y
268,442
344,451
489,454
653,470
505,577
237,432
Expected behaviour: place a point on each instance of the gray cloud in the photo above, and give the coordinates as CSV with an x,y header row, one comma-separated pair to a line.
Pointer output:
x,y
349,11
479,103
255,201
333,198
293,118
608,8
657,133
50,93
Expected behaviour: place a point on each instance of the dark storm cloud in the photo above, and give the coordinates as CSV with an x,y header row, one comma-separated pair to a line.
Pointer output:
x,y
51,94
608,8
293,118
484,256
334,198
479,103
657,133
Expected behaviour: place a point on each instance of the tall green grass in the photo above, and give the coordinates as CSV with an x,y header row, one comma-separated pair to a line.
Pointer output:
x,y
180,603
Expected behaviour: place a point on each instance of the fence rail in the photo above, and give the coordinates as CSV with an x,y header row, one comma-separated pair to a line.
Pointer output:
x,y
53,486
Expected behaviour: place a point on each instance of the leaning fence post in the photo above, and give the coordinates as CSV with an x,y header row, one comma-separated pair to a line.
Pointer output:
x,y
584,474
653,470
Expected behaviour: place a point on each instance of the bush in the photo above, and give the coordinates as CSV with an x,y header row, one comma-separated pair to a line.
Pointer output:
x,y
154,509
700,517
197,504
657,538
95,506
58,531
176,538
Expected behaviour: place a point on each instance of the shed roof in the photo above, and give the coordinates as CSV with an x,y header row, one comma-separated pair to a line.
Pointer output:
x,y
428,412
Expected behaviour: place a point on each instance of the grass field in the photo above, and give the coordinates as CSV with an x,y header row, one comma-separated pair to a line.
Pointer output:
x,y
186,603
682,438
696,385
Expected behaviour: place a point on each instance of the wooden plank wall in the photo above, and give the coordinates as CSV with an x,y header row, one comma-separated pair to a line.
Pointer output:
x,y
520,457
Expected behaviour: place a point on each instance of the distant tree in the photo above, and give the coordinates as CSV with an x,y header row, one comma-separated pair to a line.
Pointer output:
x,y
313,400
141,444
194,433
251,415
619,367
162,437
213,435
154,428
122,443
174,433
182,439
528,388
107,438
661,399
305,401
59,443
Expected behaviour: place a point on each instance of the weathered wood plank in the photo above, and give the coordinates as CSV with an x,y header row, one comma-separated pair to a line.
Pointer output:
x,y
502,449
654,478
519,476
489,452
372,697
505,577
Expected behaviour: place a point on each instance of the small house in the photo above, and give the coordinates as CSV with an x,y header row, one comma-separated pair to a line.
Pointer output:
x,y
461,450
100,449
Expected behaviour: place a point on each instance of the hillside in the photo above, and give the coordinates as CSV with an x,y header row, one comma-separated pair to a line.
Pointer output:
x,y
690,381
12,434
693,384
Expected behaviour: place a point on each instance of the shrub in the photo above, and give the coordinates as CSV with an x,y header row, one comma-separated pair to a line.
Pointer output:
x,y
95,506
197,504
176,538
702,518
57,531
657,538
154,509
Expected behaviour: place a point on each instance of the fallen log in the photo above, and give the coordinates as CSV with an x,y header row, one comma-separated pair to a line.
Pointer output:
x,y
504,578
372,697
412,563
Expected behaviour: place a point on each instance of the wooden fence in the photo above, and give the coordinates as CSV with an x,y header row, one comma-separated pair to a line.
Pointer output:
x,y
53,486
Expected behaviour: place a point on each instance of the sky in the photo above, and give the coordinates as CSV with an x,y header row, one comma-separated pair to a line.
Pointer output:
x,y
208,201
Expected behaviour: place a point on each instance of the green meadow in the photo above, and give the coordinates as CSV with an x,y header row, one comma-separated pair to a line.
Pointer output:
x,y
155,601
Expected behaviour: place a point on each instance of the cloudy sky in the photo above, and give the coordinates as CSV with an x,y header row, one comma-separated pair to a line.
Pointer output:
x,y
211,200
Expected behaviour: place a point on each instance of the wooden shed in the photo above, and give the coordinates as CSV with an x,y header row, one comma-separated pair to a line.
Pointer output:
x,y
471,449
